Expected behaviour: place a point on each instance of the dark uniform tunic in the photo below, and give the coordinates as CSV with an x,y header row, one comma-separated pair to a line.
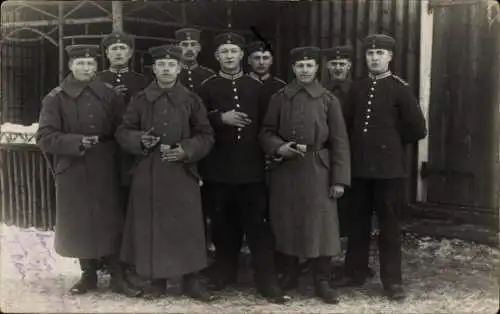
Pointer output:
x,y
340,90
89,218
193,76
164,234
134,82
303,216
234,176
382,117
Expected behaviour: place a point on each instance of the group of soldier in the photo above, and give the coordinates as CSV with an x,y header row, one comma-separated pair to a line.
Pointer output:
x,y
142,164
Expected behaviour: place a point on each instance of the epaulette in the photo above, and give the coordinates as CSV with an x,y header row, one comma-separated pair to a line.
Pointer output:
x,y
400,80
279,80
253,78
207,69
55,91
208,79
279,92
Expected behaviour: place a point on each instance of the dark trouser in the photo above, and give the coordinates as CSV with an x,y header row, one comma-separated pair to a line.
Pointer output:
x,y
241,209
344,206
385,196
207,208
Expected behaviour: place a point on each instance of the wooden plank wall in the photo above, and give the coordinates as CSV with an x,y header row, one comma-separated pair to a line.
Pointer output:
x,y
464,112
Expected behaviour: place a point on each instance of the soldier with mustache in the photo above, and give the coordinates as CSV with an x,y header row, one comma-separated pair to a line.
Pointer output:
x,y
192,74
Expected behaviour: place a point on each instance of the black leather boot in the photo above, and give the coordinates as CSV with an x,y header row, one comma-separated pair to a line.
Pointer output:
x,y
118,282
267,286
321,278
155,289
193,288
289,279
88,280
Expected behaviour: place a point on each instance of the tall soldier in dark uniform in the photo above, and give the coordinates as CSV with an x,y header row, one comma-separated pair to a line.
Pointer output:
x,y
338,64
191,76
234,172
192,73
118,48
382,117
77,125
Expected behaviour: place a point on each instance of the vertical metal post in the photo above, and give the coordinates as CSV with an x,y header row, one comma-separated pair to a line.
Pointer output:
x,y
117,12
426,37
61,41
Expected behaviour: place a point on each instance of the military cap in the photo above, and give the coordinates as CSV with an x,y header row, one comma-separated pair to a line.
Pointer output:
x,y
305,53
379,41
338,52
166,52
187,34
82,51
117,37
258,46
229,38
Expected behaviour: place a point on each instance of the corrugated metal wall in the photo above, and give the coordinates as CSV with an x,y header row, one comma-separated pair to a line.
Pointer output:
x,y
329,23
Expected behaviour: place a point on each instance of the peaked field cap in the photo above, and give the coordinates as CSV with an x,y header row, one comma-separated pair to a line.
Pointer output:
x,y
117,37
258,46
187,34
166,52
338,52
229,38
82,51
379,41
305,53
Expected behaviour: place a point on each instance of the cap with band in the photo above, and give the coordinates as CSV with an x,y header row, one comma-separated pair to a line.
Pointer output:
x,y
379,41
82,51
117,37
166,52
229,38
305,53
338,52
187,34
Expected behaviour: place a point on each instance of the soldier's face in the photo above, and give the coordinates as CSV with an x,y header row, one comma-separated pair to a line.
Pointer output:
x,y
305,70
83,69
118,54
190,49
229,56
378,60
260,61
166,70
339,69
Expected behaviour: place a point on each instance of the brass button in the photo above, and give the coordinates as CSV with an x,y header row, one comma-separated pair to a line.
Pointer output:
x,y
371,95
234,90
239,137
189,72
91,115
239,129
118,80
368,110
189,78
236,97
237,105
365,130
368,116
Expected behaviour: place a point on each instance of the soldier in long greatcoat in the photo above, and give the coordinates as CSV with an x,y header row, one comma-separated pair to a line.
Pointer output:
x,y
305,127
166,127
382,117
77,124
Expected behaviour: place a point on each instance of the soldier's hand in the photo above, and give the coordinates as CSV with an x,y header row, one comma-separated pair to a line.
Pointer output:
x,y
236,118
121,89
88,141
149,141
288,151
336,191
175,154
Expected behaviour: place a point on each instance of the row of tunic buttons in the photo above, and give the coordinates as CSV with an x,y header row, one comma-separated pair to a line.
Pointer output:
x,y
368,108
91,116
190,80
235,91
118,76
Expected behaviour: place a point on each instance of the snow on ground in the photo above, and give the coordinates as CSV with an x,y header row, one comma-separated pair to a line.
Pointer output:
x,y
447,276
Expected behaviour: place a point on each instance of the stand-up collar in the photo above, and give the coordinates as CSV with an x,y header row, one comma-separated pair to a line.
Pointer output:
x,y
189,67
231,77
315,89
379,76
259,77
122,70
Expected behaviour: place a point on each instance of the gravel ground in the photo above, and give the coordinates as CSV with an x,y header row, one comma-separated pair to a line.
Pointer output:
x,y
447,276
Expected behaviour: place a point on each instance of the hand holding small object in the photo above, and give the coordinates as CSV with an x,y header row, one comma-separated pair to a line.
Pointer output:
x,y
289,150
174,153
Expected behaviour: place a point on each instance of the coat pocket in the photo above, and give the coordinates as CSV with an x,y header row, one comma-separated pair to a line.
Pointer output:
x,y
324,157
62,164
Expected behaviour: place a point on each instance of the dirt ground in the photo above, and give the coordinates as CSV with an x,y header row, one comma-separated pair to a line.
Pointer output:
x,y
446,276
